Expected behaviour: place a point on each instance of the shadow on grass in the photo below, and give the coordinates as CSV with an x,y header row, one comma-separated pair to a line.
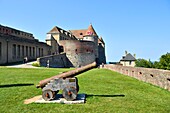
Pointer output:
x,y
92,95
14,85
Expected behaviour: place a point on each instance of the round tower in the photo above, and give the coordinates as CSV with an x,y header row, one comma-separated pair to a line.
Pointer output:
x,y
91,35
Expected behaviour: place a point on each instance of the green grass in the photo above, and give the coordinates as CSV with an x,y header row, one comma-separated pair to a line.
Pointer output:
x,y
106,91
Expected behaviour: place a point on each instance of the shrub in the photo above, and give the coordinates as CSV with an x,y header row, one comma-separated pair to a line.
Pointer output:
x,y
36,64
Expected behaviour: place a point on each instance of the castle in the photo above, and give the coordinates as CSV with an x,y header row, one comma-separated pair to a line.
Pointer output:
x,y
72,48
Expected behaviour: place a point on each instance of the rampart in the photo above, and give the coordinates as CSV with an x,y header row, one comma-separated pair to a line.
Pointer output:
x,y
79,53
156,77
56,61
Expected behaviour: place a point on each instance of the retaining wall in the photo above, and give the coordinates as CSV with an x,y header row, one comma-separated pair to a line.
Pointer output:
x,y
56,61
156,77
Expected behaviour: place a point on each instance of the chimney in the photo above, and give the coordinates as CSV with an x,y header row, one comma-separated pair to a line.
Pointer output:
x,y
126,53
134,55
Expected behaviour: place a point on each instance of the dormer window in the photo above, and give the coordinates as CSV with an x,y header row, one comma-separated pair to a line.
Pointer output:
x,y
81,33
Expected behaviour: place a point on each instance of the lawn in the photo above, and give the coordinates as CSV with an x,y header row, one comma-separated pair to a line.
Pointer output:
x,y
106,91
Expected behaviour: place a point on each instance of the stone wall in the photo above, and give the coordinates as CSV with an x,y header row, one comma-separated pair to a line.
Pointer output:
x,y
55,61
81,59
79,53
15,49
156,77
101,53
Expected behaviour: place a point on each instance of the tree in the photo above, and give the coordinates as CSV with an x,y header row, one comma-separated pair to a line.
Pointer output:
x,y
144,63
164,62
156,65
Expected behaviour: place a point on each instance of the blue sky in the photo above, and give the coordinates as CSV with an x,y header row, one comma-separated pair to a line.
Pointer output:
x,y
141,27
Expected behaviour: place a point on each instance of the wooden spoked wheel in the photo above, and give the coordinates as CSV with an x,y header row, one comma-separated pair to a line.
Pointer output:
x,y
48,95
70,93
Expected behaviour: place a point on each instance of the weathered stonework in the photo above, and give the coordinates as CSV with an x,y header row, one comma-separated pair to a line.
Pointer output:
x,y
82,47
77,54
55,61
15,49
156,77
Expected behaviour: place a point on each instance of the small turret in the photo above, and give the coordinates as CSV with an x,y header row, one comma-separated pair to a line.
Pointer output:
x,y
91,35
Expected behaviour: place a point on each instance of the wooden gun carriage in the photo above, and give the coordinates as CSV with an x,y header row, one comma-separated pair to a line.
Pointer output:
x,y
67,82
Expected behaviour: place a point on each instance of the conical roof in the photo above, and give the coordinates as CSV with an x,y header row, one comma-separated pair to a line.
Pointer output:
x,y
91,31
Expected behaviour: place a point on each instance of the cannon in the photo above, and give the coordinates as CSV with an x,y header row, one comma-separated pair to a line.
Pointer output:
x,y
67,82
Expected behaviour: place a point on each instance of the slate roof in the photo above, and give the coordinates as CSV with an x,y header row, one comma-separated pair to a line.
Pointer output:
x,y
128,57
83,32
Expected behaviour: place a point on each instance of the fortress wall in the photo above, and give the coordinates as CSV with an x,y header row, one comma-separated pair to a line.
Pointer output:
x,y
56,61
101,54
81,59
156,77
77,46
79,53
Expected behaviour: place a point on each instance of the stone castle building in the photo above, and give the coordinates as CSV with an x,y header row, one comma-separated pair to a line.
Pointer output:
x,y
80,47
72,48
15,45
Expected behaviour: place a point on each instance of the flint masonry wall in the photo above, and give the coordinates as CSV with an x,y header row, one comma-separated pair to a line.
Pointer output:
x,y
156,77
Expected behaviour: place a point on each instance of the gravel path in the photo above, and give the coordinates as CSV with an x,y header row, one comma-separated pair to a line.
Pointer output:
x,y
25,65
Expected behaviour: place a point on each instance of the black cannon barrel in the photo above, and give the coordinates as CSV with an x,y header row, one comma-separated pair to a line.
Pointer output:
x,y
71,73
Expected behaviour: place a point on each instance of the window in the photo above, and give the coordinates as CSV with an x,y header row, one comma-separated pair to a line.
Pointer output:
x,y
42,52
14,51
19,52
22,51
130,62
39,50
26,50
81,33
30,51
61,49
76,50
0,50
33,51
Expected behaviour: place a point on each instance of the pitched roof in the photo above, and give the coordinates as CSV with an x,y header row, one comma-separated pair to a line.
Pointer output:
x,y
83,32
100,40
91,31
128,57
78,33
54,30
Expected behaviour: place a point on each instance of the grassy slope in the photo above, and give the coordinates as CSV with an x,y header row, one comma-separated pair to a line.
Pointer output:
x,y
104,89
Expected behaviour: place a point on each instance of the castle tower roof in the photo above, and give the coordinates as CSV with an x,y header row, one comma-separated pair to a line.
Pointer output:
x,y
100,40
91,31
54,30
